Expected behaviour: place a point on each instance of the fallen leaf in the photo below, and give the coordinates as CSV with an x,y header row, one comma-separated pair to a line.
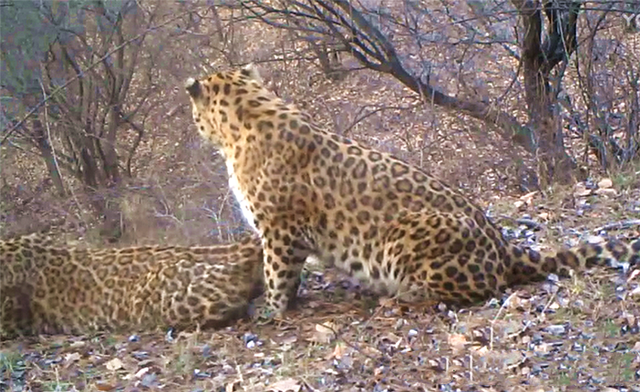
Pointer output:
x,y
114,364
605,183
77,343
606,192
288,385
337,352
289,339
323,333
72,357
503,359
595,239
581,190
232,386
528,198
105,386
457,341
393,338
635,292
141,372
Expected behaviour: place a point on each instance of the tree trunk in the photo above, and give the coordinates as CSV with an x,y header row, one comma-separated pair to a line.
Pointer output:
x,y
42,142
554,164
112,228
539,58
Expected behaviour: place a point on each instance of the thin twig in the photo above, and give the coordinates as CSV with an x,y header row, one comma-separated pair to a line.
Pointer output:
x,y
624,225
10,131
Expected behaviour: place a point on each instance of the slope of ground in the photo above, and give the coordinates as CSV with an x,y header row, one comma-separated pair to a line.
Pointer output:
x,y
567,335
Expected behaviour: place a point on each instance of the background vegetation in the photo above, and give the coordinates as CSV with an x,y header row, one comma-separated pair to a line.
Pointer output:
x,y
531,107
500,96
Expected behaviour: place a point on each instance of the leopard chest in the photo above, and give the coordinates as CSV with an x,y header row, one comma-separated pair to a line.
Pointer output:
x,y
234,185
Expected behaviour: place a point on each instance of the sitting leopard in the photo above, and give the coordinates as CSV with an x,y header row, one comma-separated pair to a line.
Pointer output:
x,y
49,289
307,191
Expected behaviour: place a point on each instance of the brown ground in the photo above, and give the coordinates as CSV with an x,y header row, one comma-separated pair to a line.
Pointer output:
x,y
576,334
567,335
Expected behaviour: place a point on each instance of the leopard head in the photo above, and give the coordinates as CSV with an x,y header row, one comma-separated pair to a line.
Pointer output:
x,y
225,104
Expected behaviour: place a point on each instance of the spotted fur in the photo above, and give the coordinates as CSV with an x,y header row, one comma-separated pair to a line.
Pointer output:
x,y
308,191
48,289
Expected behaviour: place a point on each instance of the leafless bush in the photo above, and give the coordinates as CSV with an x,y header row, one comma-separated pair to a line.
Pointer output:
x,y
472,58
114,136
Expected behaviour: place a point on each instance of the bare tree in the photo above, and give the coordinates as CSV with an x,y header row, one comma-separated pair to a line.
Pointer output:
x,y
542,52
408,39
88,95
606,113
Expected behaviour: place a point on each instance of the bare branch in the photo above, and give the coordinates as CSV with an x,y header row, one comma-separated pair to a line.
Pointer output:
x,y
9,131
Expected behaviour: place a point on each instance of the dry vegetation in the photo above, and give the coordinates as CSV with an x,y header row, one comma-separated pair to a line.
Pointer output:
x,y
579,334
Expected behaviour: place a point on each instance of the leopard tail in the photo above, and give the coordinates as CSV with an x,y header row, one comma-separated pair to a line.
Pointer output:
x,y
527,265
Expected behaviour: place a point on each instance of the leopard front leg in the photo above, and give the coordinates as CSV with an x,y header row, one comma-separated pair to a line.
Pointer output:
x,y
284,258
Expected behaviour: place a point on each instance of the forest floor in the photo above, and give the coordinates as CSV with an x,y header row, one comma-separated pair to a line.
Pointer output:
x,y
560,335
571,334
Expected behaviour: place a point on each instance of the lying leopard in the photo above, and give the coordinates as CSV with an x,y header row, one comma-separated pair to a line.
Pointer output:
x,y
48,289
307,191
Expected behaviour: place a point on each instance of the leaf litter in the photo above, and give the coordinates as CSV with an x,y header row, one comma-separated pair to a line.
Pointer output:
x,y
571,334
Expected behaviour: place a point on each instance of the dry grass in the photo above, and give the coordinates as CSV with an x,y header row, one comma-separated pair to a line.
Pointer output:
x,y
577,337
568,335
581,334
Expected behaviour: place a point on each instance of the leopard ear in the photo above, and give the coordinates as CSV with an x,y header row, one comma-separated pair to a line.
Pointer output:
x,y
250,70
193,87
